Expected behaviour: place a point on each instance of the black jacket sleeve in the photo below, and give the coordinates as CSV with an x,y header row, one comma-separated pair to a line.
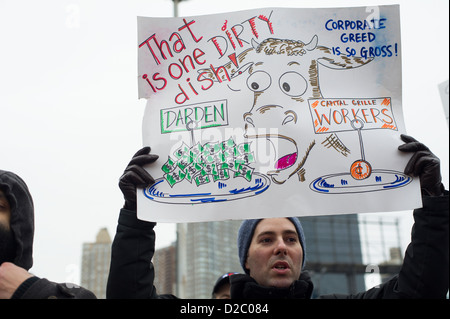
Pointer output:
x,y
424,273
131,273
41,288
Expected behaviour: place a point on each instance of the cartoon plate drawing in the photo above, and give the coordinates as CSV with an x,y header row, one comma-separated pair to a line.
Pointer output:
x,y
344,183
228,190
361,177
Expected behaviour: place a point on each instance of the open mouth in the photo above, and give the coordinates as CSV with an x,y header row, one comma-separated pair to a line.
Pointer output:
x,y
286,161
281,267
286,153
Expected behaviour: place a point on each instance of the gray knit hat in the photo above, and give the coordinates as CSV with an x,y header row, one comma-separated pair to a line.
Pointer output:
x,y
245,235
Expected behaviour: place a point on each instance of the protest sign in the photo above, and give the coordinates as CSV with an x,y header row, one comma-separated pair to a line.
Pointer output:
x,y
273,112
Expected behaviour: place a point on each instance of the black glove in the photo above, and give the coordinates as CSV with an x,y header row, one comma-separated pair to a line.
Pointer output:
x,y
424,164
136,176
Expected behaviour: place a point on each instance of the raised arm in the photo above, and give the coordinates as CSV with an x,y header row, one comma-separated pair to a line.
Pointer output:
x,y
424,273
131,272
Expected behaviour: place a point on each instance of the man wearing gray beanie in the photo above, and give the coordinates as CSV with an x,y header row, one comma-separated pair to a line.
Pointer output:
x,y
272,253
247,230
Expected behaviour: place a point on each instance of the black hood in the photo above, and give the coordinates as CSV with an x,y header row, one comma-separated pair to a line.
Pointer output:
x,y
22,216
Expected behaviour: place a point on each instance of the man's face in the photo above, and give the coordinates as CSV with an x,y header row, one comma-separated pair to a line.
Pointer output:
x,y
6,236
5,211
275,254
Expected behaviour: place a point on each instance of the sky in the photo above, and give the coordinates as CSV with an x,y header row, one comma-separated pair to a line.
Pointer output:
x,y
70,117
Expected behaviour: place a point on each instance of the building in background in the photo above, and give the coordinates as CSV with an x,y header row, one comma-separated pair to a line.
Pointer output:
x,y
95,264
341,261
164,262
205,251
333,253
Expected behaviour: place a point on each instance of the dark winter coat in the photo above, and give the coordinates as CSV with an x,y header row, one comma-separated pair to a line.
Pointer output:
x,y
424,273
22,226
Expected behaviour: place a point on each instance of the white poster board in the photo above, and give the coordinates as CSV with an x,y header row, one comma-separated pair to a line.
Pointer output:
x,y
273,112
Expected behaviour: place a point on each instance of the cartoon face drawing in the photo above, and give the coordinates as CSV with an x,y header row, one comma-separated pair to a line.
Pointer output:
x,y
283,75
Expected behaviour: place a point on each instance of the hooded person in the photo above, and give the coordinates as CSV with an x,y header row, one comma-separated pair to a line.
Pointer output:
x,y
16,247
